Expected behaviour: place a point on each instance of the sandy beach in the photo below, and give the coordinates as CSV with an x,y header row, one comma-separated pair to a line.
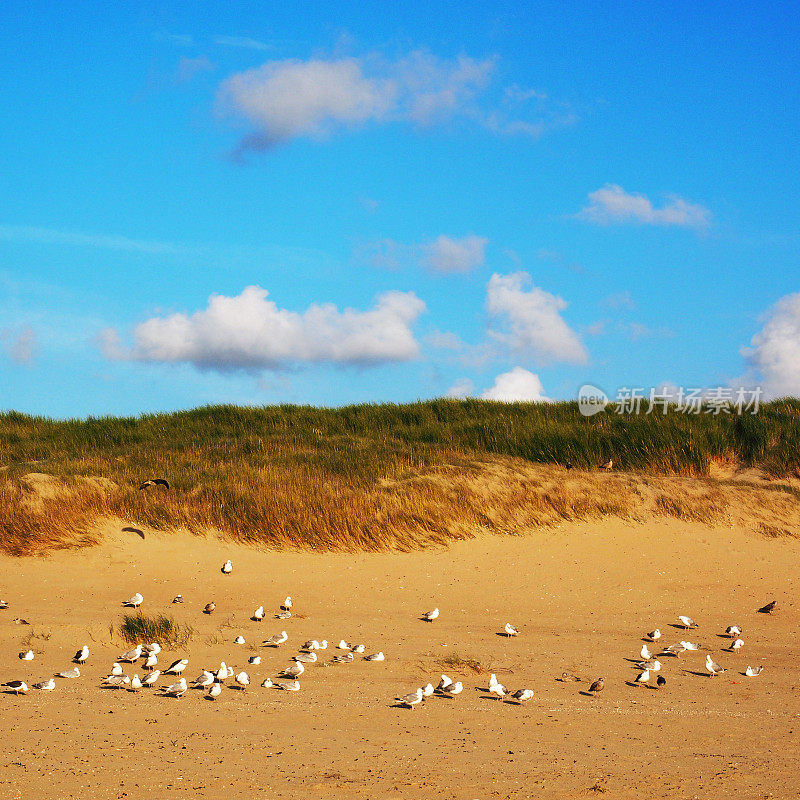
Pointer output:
x,y
582,596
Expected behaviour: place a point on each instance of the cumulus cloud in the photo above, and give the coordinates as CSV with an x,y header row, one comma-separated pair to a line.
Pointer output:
x,y
612,204
528,321
517,386
250,332
446,254
290,98
774,352
21,346
461,389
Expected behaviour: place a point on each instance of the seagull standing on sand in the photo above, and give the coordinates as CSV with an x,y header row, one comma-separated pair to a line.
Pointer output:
x,y
153,647
453,689
267,683
598,685
737,645
287,604
115,681
428,690
28,655
239,640
733,631
254,660
521,695
214,691
713,667
205,678
136,683
132,655
81,655
45,686
642,678
751,672
690,646
18,687
376,657
258,614
176,689
289,686
151,678
495,687
654,635
293,671
134,602
305,658
410,700
150,661
209,607
243,679
444,683
687,622
430,616
227,568
510,630
645,653
177,667
276,640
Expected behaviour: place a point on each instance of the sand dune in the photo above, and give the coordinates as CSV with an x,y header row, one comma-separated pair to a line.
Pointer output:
x,y
582,596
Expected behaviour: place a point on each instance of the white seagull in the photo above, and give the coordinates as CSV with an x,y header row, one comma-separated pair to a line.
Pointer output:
x,y
510,630
289,686
136,683
751,672
227,567
343,645
359,648
28,655
687,622
428,690
453,689
205,678
18,687
254,660
177,667
294,671
497,688
45,686
258,614
713,667
132,655
267,683
642,677
737,645
151,678
239,640
654,635
733,631
375,657
444,683
69,673
287,604
153,647
243,679
134,601
214,691
176,689
115,681
116,669
283,615
81,655
150,661
653,666
344,658
410,700
645,653
276,640
521,695
690,646
305,658
430,616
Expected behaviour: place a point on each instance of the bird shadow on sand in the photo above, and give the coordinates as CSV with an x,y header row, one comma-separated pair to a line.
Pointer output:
x,y
587,694
679,626
131,529
697,672
504,635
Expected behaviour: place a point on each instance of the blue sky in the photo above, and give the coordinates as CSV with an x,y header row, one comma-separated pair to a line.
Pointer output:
x,y
427,200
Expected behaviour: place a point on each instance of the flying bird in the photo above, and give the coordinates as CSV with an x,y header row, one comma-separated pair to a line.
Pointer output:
x,y
713,667
227,567
81,655
154,482
430,616
687,622
18,687
751,672
134,601
768,608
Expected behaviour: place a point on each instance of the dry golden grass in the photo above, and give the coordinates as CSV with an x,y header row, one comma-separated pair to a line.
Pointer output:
x,y
142,629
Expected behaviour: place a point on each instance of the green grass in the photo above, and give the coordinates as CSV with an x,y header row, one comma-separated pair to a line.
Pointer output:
x,y
143,629
340,478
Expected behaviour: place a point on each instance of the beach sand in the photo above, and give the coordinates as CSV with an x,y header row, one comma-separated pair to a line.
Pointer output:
x,y
581,594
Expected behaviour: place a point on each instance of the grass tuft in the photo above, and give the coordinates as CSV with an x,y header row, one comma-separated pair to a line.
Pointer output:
x,y
143,629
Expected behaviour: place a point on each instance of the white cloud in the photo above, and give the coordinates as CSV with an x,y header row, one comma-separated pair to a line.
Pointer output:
x,y
517,386
250,332
286,99
530,321
461,389
774,352
446,254
612,204
21,346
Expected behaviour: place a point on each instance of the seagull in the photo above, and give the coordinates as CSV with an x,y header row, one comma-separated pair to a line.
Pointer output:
x,y
69,673
18,687
343,645
214,690
498,689
645,653
266,683
176,689
376,657
154,482
642,677
132,655
653,666
254,660
115,681
654,635
3,605
598,685
305,658
430,616
444,683
28,655
609,465
733,631
713,667
673,650
150,661
289,686
136,683
410,700
283,615
568,676
287,604
258,614
222,673
81,655
344,658
453,689
359,648
209,607
661,681
151,678
690,646
427,690
510,630
751,672
45,686
116,669
153,647
768,608
293,671
134,601
239,640
687,622
177,667
227,567
178,598
276,640
521,695
205,678
738,644
311,644
243,679
20,621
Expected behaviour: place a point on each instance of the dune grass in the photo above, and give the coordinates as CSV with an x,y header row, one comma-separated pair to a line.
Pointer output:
x,y
142,629
366,477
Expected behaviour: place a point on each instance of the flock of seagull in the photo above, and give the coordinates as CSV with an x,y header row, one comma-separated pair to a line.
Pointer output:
x,y
213,680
